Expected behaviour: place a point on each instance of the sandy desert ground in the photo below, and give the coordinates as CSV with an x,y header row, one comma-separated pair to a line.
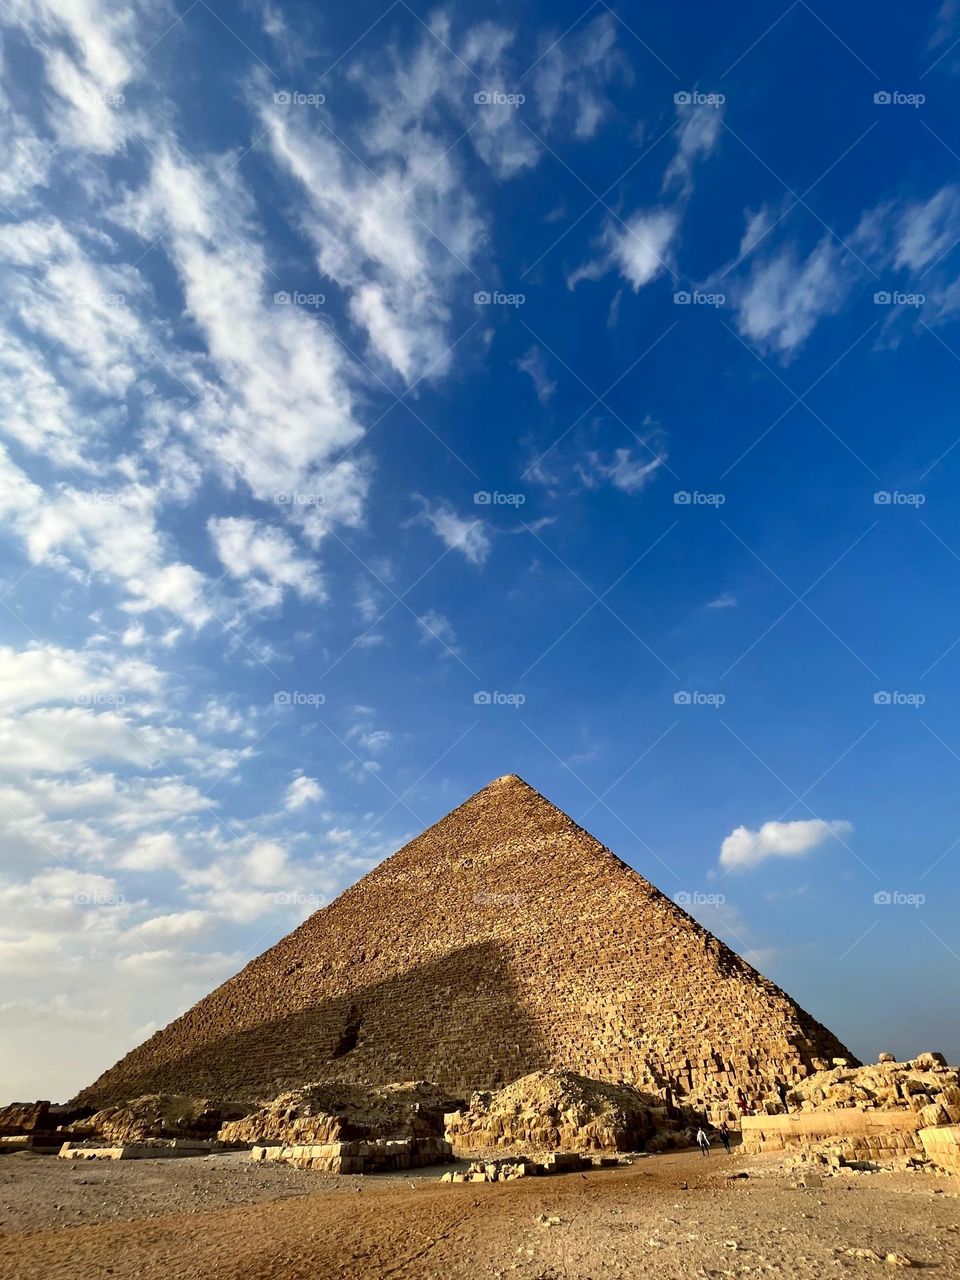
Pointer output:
x,y
675,1215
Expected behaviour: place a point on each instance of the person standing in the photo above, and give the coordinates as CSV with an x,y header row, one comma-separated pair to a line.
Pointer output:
x,y
782,1095
703,1142
725,1136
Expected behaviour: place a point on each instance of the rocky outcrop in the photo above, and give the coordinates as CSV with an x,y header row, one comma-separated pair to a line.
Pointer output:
x,y
547,1111
158,1116
24,1117
323,1114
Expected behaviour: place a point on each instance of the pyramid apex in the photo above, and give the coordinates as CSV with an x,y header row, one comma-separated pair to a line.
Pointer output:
x,y
509,780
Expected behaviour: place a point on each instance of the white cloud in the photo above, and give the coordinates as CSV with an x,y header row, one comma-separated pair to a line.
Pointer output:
x,y
464,535
435,626
301,792
371,740
158,851
534,363
395,235
745,848
274,404
626,469
784,297
44,673
90,51
725,600
697,137
639,248
571,77
176,924
264,559
912,235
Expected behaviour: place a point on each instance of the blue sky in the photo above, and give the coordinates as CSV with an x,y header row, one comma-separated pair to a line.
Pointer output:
x,y
391,399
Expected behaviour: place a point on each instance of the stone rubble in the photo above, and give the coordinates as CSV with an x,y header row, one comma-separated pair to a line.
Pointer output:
x,y
558,1111
884,1113
375,1156
508,1169
322,1113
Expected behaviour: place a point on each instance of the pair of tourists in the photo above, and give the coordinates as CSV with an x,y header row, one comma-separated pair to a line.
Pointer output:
x,y
703,1142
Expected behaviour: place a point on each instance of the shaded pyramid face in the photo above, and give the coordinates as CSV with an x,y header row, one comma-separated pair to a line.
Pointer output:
x,y
503,940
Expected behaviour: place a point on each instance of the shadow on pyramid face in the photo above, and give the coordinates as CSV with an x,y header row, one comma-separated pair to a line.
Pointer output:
x,y
457,1021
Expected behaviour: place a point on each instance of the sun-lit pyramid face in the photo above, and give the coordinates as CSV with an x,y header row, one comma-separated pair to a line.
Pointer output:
x,y
502,940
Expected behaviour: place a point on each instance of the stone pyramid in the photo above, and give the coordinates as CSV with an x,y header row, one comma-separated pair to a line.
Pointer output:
x,y
503,940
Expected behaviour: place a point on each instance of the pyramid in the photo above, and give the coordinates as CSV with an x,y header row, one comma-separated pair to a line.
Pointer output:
x,y
503,940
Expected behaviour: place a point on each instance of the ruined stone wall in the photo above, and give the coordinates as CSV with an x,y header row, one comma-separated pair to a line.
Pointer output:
x,y
503,940
859,1135
24,1117
942,1146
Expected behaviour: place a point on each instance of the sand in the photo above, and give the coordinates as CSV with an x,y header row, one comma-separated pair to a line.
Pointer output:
x,y
222,1216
